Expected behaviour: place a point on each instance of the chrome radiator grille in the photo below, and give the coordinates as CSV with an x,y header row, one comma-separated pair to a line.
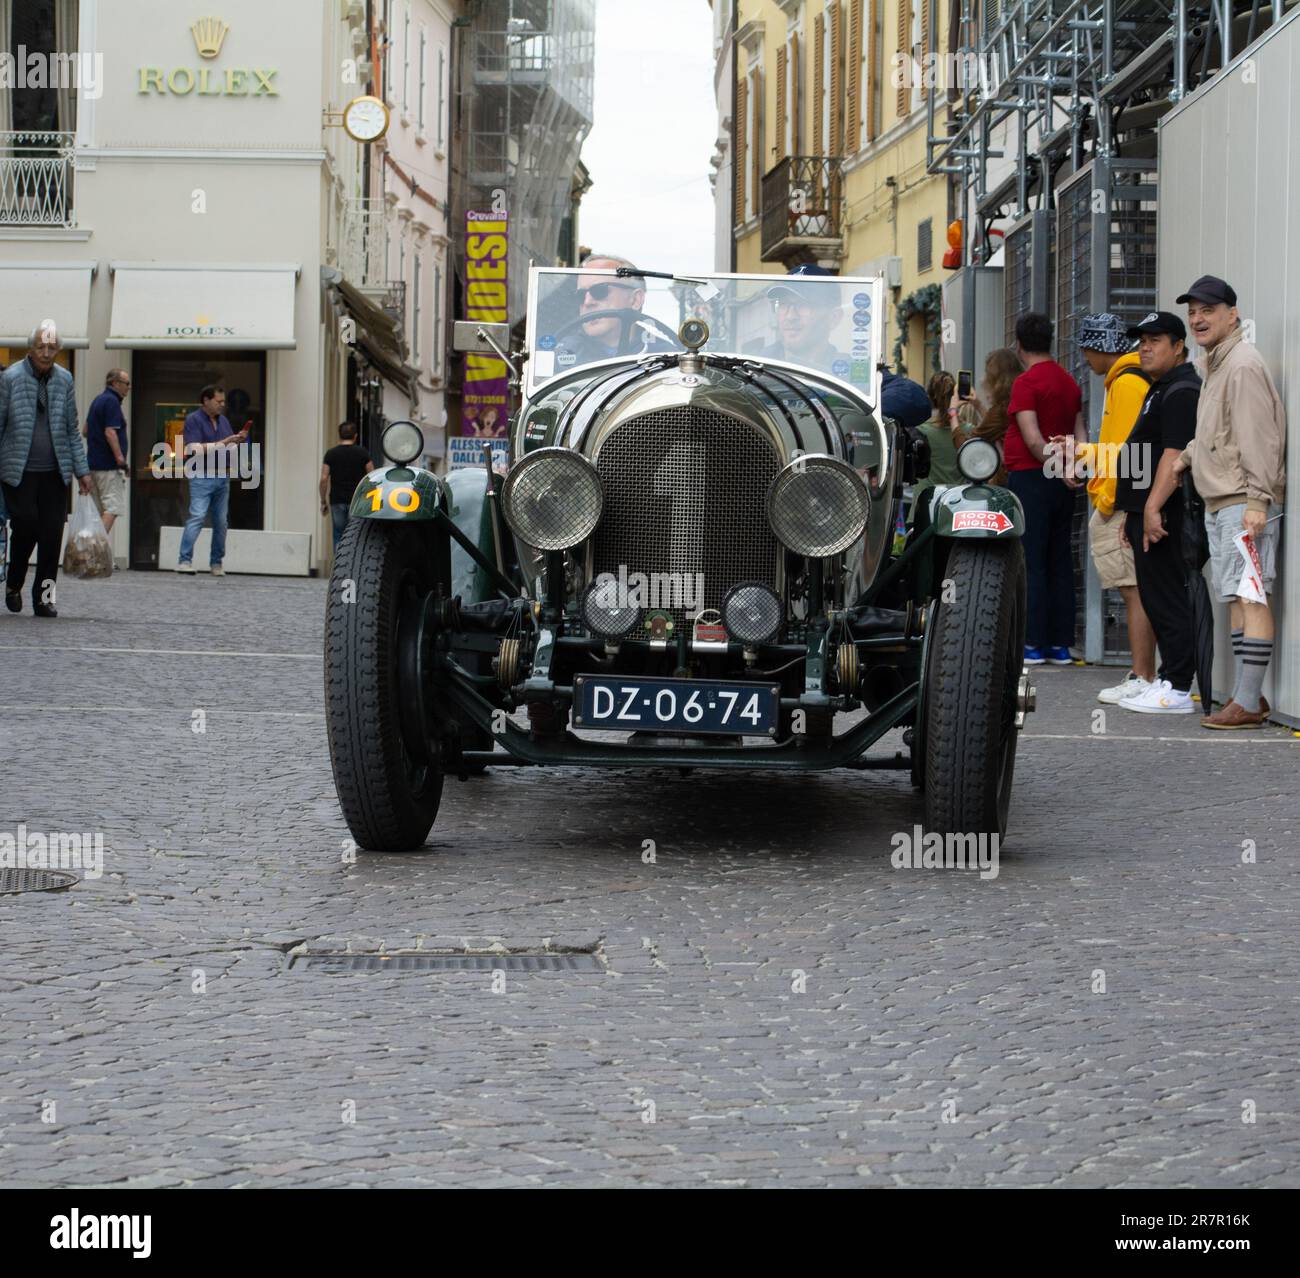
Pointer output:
x,y
684,494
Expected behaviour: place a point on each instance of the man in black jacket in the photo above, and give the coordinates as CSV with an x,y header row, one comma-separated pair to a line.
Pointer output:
x,y
1147,491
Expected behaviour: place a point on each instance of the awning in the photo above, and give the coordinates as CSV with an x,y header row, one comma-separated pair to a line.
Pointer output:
x,y
33,291
377,336
179,305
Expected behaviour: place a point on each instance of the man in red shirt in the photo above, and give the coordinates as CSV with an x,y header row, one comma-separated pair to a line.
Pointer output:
x,y
1045,402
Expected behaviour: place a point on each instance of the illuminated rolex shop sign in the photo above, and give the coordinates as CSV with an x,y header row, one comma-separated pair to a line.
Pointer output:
x,y
241,82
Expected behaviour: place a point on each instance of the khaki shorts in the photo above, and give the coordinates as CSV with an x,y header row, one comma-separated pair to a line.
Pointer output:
x,y
108,487
1114,562
1226,563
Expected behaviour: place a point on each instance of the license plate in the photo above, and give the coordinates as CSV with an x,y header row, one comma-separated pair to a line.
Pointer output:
x,y
676,705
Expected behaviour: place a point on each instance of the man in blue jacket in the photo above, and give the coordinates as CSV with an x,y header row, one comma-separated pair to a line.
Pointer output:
x,y
40,451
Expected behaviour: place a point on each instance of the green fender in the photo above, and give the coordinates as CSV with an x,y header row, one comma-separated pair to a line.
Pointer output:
x,y
467,494
976,510
398,492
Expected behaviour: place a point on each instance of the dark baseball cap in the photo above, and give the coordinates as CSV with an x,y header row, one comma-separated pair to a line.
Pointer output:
x,y
822,296
1159,322
1211,289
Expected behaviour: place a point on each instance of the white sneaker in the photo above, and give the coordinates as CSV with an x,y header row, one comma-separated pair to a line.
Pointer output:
x,y
1131,686
185,568
1160,698
218,570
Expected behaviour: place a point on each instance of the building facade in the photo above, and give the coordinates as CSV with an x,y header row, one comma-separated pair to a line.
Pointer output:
x,y
180,213
827,149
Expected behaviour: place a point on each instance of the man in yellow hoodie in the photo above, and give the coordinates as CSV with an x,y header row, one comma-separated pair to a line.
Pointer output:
x,y
1111,356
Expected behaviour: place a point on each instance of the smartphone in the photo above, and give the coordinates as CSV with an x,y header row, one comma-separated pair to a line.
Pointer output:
x,y
964,379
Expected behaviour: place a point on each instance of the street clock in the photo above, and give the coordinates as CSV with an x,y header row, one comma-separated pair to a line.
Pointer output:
x,y
365,119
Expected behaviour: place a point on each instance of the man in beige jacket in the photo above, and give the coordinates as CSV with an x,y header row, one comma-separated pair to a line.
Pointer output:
x,y
1237,462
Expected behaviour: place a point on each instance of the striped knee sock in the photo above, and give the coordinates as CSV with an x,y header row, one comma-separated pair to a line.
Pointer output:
x,y
1255,656
1237,637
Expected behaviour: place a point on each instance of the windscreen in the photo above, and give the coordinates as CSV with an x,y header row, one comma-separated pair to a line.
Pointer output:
x,y
828,324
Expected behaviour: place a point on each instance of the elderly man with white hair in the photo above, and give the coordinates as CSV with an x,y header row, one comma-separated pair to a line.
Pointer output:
x,y
40,451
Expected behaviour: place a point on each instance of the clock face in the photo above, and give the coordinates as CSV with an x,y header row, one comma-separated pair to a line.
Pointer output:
x,y
365,119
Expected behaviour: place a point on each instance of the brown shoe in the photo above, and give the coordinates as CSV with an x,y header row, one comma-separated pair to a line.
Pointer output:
x,y
1232,716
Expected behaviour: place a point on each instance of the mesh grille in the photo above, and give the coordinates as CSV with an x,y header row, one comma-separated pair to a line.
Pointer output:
x,y
684,494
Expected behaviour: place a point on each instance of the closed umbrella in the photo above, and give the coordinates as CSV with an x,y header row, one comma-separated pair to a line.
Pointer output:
x,y
1196,551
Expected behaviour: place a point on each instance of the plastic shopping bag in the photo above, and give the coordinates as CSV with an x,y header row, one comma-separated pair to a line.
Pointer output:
x,y
89,552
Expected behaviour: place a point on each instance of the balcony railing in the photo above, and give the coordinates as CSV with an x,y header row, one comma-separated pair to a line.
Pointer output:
x,y
36,179
363,243
802,207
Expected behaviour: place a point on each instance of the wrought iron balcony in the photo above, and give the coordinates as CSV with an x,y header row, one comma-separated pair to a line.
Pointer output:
x,y
362,251
802,208
36,179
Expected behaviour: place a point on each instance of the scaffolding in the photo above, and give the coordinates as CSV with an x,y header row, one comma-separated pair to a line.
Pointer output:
x,y
525,106
1053,108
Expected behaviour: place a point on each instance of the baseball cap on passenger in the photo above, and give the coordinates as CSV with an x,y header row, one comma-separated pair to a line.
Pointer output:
x,y
819,295
1103,332
1159,322
1210,289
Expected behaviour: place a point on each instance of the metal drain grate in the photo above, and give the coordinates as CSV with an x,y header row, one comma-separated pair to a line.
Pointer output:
x,y
579,962
12,881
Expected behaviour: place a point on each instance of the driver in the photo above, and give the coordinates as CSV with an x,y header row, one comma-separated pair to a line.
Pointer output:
x,y
806,315
610,335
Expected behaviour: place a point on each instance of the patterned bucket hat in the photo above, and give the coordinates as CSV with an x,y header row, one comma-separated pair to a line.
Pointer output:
x,y
1103,332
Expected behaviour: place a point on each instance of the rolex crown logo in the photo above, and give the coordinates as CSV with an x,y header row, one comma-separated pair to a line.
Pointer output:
x,y
209,35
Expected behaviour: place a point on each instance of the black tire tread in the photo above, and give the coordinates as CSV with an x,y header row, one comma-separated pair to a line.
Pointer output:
x,y
361,711
967,685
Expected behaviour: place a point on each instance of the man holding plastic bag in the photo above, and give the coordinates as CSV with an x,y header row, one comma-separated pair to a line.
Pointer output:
x,y
40,450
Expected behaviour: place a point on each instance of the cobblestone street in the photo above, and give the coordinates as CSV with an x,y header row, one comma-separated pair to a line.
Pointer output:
x,y
774,1003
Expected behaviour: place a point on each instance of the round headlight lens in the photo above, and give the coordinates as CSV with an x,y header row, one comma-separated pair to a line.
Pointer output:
x,y
553,499
978,460
605,611
403,442
751,613
818,506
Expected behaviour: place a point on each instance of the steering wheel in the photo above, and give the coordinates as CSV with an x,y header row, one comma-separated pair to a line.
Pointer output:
x,y
629,317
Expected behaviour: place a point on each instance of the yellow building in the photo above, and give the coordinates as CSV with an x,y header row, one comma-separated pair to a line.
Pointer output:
x,y
828,148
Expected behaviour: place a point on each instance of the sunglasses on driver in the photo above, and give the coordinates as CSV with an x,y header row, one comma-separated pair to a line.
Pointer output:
x,y
599,292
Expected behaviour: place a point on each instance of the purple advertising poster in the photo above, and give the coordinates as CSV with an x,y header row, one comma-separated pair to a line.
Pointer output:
x,y
485,404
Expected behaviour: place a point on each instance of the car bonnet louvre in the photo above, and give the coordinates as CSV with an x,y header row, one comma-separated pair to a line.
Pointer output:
x,y
685,493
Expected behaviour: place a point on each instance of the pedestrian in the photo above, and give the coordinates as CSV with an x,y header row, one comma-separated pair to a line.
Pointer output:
x,y
941,434
1148,492
1110,354
1045,402
1001,368
1237,459
208,439
343,468
40,451
106,447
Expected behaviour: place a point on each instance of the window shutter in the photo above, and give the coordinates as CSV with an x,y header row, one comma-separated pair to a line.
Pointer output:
x,y
873,74
925,28
819,41
904,97
796,137
780,103
741,157
853,103
756,149
837,80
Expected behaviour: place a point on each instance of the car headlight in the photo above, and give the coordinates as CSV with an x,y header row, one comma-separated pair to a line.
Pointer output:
x,y
606,611
818,506
403,442
553,499
751,613
978,460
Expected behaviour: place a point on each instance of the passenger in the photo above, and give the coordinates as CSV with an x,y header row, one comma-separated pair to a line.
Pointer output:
x,y
806,316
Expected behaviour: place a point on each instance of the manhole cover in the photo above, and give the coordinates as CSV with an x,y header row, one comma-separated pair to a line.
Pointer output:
x,y
580,962
34,881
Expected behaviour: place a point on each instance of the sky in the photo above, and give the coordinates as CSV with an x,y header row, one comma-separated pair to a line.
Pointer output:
x,y
650,145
